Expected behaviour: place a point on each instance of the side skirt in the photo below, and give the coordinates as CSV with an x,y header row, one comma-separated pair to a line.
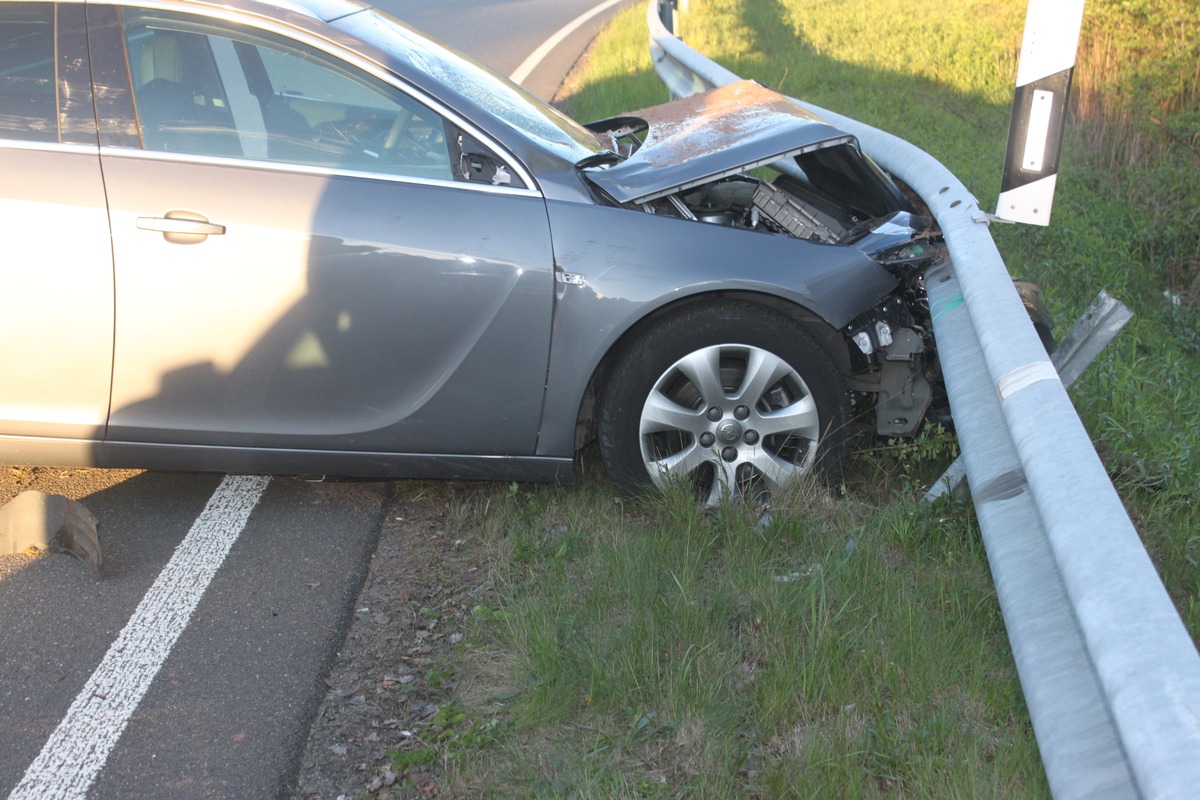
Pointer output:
x,y
18,450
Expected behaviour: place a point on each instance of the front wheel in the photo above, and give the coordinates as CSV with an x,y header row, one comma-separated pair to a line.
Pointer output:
x,y
732,399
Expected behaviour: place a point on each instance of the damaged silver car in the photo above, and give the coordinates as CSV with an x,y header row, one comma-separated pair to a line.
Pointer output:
x,y
300,237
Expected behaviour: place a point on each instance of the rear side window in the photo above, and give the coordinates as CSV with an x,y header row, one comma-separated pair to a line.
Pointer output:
x,y
28,110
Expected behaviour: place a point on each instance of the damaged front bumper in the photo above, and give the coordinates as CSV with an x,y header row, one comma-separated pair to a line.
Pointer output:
x,y
893,354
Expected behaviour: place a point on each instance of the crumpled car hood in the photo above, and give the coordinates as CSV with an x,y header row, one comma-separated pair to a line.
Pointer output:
x,y
712,135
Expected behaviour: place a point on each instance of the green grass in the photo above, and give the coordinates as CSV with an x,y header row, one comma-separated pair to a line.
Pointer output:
x,y
655,649
848,646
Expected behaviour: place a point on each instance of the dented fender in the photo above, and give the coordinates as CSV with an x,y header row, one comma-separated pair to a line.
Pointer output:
x,y
616,267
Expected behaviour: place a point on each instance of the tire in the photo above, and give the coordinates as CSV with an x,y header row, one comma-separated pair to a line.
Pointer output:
x,y
732,399
1043,323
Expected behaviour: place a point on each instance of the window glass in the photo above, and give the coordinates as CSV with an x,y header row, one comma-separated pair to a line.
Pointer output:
x,y
210,88
552,129
28,109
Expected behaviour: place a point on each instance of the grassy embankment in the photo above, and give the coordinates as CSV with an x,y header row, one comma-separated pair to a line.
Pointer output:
x,y
850,647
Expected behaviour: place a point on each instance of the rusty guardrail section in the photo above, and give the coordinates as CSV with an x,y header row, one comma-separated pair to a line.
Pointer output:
x,y
1110,675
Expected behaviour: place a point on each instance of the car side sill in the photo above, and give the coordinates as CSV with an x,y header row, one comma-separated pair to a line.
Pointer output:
x,y
333,463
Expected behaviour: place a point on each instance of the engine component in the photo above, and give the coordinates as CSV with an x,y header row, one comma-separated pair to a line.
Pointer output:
x,y
779,207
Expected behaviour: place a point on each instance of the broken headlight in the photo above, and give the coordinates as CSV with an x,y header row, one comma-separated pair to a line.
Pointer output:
x,y
904,244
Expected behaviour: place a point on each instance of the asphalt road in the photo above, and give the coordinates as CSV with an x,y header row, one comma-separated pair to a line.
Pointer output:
x,y
226,715
503,33
225,707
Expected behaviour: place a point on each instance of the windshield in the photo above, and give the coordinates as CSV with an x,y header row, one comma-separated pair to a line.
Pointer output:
x,y
501,97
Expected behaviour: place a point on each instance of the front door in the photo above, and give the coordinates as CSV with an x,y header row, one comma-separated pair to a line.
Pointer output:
x,y
297,265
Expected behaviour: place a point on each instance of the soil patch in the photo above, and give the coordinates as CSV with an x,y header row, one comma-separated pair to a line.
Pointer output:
x,y
372,735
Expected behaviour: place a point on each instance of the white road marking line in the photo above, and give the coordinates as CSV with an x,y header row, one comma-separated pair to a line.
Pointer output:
x,y
80,746
537,56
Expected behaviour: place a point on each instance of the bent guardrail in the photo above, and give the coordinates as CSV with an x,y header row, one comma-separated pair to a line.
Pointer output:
x,y
1110,674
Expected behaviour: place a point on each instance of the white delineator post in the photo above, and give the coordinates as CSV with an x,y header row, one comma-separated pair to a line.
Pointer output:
x,y
1039,110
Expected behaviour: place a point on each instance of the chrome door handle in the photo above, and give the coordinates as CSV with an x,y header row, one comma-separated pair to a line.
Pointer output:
x,y
181,227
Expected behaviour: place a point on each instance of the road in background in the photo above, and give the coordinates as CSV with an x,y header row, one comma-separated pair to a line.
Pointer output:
x,y
502,33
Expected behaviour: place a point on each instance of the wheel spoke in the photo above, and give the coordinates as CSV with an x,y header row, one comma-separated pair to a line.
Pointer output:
x,y
663,414
776,472
763,370
724,482
800,418
678,465
703,368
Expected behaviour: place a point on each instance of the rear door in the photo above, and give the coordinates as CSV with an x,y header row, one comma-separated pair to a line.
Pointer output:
x,y
56,299
297,265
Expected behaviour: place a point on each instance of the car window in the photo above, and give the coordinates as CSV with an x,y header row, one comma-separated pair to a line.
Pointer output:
x,y
218,89
552,129
28,109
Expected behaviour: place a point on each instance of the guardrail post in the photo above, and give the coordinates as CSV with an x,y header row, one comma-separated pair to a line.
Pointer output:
x,y
668,12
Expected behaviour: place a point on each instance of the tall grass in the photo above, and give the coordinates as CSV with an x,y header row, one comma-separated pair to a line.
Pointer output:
x,y
1137,105
1137,87
851,646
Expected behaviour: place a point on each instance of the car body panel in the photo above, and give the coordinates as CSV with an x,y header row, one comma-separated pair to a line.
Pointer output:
x,y
323,10
55,361
57,300
334,311
317,464
711,135
634,269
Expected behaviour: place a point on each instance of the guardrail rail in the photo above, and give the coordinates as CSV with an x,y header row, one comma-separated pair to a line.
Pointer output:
x,y
1110,675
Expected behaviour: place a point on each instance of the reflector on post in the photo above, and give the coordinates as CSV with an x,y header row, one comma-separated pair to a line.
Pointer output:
x,y
1039,110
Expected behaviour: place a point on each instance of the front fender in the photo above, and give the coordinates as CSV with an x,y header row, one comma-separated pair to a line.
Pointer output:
x,y
625,265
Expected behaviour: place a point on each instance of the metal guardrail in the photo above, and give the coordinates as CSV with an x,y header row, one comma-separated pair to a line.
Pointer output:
x,y
1110,675
1098,326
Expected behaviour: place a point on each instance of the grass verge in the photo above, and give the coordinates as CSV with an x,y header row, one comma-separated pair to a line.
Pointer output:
x,y
849,647
653,649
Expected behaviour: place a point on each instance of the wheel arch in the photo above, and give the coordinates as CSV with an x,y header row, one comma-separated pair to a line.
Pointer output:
x,y
829,338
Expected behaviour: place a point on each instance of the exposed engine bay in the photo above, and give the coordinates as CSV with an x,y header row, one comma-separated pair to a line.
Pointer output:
x,y
892,354
832,194
745,202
